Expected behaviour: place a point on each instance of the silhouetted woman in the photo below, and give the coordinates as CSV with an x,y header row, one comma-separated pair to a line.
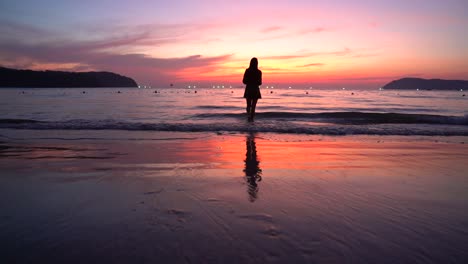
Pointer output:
x,y
252,80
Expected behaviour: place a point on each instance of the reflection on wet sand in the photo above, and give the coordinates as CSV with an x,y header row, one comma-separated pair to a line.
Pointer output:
x,y
252,167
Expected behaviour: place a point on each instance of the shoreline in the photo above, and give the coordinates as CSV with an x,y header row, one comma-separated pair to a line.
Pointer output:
x,y
120,197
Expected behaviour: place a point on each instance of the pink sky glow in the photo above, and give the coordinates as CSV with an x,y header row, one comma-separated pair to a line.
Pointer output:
x,y
298,43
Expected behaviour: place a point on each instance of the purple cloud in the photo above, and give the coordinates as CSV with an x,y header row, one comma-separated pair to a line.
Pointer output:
x,y
9,29
17,50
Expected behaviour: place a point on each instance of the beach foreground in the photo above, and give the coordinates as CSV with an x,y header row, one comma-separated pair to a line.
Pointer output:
x,y
159,197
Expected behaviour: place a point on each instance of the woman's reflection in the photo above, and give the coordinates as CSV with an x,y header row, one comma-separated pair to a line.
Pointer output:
x,y
252,167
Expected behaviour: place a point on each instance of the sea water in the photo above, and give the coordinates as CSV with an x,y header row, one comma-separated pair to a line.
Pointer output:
x,y
77,197
293,111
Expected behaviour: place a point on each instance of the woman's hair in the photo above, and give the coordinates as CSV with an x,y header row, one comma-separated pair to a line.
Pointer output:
x,y
253,63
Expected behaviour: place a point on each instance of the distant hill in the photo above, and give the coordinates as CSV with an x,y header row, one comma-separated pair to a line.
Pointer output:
x,y
43,79
426,84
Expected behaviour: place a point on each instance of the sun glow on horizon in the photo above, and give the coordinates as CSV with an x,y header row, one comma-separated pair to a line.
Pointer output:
x,y
334,42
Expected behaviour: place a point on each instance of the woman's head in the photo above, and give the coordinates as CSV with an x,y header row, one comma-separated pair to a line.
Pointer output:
x,y
253,63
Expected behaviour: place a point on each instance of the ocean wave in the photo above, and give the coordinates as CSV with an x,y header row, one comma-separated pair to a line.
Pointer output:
x,y
300,95
7,121
351,117
268,126
218,107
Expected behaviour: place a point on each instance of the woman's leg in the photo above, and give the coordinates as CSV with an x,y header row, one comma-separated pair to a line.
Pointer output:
x,y
249,105
252,108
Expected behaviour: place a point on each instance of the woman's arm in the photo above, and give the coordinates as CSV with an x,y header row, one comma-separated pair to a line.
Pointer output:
x,y
260,77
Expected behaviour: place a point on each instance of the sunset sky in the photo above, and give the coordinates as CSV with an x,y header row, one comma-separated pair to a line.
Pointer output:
x,y
299,43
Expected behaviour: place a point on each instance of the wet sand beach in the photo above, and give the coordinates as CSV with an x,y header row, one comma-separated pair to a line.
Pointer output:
x,y
157,197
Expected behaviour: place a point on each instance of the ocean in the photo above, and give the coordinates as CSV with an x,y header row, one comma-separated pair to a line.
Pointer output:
x,y
114,175
286,111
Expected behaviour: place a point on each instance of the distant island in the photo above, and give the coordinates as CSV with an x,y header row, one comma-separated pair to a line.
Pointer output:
x,y
426,84
60,79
